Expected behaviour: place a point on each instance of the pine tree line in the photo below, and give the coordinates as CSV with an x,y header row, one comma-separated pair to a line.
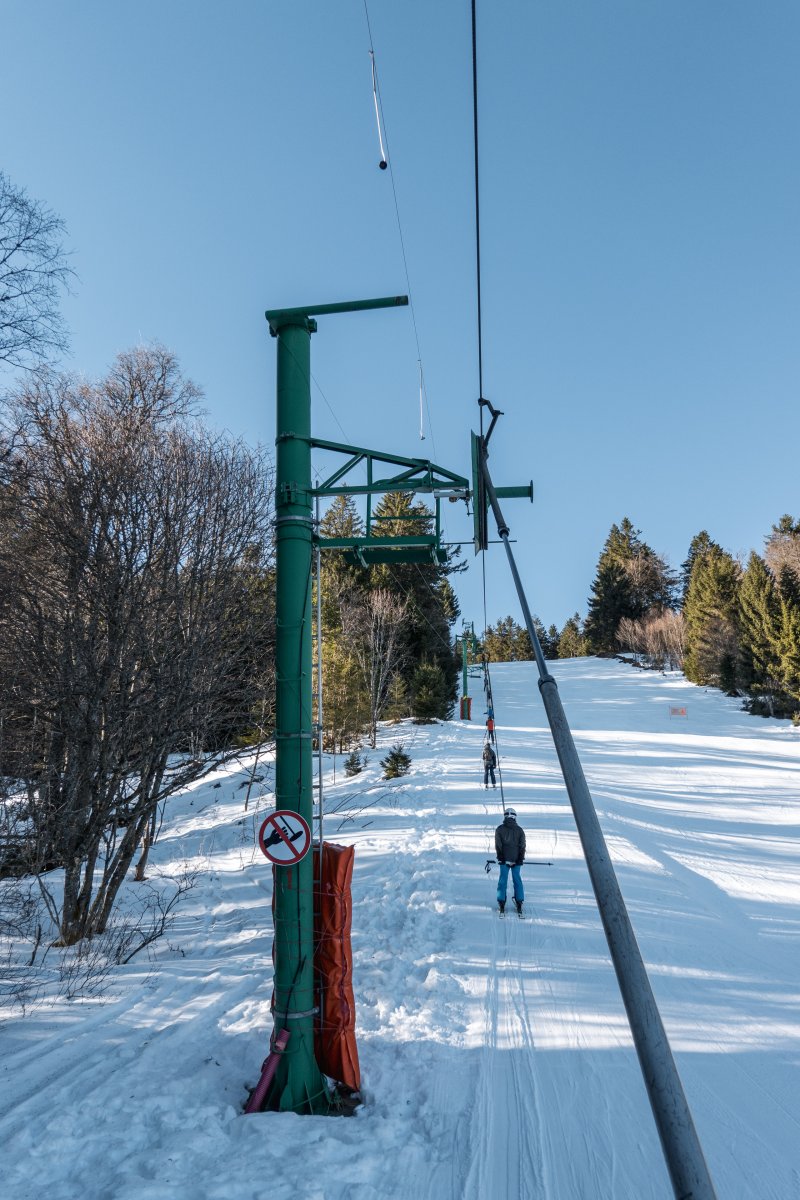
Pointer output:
x,y
508,641
731,626
743,624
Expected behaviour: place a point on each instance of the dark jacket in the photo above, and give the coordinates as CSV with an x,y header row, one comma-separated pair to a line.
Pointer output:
x,y
509,842
489,756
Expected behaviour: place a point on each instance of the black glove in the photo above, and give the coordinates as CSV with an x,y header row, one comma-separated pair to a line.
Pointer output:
x,y
520,861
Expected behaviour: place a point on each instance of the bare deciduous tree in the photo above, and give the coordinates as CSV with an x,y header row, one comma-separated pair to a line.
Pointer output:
x,y
659,637
373,623
783,547
127,541
33,269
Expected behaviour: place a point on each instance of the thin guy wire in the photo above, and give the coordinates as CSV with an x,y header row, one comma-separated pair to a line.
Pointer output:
x,y
410,596
313,379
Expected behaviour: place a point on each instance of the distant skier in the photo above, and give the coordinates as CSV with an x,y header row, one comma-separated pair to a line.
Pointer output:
x,y
509,845
490,727
489,764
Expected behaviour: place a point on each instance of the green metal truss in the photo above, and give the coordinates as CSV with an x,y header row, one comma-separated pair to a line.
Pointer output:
x,y
418,475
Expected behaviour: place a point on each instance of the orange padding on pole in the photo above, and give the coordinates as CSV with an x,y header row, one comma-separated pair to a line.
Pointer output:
x,y
334,1038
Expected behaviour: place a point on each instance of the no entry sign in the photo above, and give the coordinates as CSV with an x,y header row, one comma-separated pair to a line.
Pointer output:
x,y
284,837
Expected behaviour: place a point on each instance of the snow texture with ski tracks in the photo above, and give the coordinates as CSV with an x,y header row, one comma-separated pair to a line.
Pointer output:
x,y
496,1055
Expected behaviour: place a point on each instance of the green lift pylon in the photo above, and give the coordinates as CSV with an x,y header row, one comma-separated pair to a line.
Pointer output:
x,y
468,642
298,1086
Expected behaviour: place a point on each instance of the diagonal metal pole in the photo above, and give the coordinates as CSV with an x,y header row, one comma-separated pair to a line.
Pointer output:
x,y
681,1146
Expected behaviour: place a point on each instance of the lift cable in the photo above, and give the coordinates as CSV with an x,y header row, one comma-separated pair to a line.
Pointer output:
x,y
480,313
482,402
487,688
477,207
387,159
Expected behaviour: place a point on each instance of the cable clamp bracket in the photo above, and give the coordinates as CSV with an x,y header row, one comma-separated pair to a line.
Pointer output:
x,y
307,521
295,1016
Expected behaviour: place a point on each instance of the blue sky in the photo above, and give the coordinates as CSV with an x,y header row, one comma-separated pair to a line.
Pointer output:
x,y
641,252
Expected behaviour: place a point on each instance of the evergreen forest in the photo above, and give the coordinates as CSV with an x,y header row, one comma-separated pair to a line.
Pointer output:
x,y
725,623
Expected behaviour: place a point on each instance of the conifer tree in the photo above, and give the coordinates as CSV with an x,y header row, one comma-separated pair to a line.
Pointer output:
x,y
700,544
551,650
711,612
760,631
524,649
430,699
631,579
508,641
342,520
611,600
790,635
397,762
571,642
432,604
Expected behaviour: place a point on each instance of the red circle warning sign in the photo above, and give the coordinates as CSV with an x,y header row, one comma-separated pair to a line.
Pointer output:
x,y
284,837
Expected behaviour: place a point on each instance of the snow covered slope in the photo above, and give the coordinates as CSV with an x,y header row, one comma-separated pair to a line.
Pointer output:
x,y
496,1056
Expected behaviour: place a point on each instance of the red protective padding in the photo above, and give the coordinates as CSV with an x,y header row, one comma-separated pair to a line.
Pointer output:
x,y
334,1038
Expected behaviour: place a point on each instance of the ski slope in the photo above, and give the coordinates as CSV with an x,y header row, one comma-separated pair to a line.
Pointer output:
x,y
496,1056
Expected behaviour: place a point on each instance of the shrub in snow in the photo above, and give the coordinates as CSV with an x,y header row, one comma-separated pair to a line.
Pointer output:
x,y
396,763
354,763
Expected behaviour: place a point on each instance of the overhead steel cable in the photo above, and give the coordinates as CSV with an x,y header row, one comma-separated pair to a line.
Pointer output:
x,y
387,158
477,205
476,158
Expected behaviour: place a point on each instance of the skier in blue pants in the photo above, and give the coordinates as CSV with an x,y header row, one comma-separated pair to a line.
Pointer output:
x,y
509,845
489,764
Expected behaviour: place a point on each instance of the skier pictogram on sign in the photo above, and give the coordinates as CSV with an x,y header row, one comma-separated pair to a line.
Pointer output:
x,y
284,837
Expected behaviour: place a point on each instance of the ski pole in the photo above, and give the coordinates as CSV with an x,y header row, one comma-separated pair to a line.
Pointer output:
x,y
531,862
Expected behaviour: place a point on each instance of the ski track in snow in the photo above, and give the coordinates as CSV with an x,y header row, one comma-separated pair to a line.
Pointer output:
x,y
495,1055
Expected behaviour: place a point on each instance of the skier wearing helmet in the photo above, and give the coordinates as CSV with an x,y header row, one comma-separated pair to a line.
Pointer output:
x,y
509,844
